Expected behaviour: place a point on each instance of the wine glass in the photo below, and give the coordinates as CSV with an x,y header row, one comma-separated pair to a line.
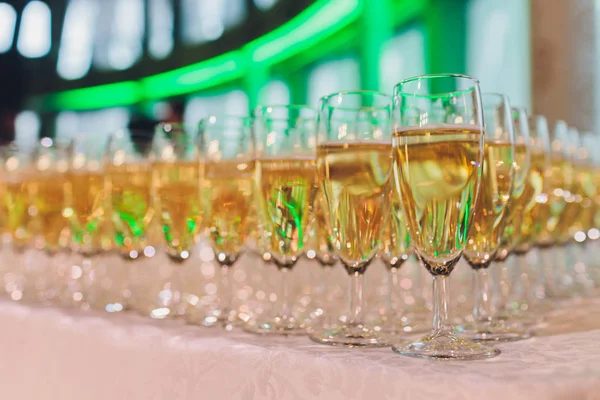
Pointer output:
x,y
521,197
354,169
129,186
16,161
394,252
177,181
85,211
533,218
227,147
490,217
439,152
48,226
285,179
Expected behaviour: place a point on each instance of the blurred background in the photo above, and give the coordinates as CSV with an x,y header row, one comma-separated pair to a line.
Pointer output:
x,y
70,66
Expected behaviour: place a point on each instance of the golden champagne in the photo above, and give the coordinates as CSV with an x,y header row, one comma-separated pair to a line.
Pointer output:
x,y
131,205
355,179
16,201
489,217
285,191
437,175
560,188
178,202
535,213
324,249
85,199
229,214
396,240
578,210
47,199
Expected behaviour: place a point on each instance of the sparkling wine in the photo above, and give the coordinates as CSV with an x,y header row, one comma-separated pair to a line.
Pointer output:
x,y
131,205
16,204
356,183
178,188
47,199
488,221
560,187
396,240
437,172
285,193
324,249
535,213
229,214
520,197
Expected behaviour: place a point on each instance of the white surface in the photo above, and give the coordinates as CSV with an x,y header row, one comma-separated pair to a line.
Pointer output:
x,y
58,354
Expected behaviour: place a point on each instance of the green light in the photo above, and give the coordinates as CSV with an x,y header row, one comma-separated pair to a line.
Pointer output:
x,y
195,77
317,22
110,95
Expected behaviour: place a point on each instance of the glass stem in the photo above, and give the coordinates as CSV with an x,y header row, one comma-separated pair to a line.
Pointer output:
x,y
394,291
283,310
226,292
502,304
481,290
441,299
176,289
355,298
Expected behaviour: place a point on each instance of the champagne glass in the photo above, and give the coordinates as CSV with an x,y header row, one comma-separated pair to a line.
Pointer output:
x,y
285,179
15,203
490,216
46,192
395,251
354,168
85,210
323,252
521,197
177,180
129,182
534,217
227,147
439,147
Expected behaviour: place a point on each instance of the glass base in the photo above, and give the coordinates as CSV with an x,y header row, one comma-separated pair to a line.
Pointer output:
x,y
494,330
350,336
283,326
445,345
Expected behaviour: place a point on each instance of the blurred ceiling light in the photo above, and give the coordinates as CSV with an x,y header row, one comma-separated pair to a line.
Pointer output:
x,y
161,22
275,92
35,32
8,20
125,46
76,45
264,4
27,129
207,20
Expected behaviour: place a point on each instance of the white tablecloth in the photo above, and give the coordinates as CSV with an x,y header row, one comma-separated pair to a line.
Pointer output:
x,y
49,354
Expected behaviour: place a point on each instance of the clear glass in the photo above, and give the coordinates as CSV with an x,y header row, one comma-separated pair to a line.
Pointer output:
x,y
491,215
533,220
394,252
285,186
354,168
177,182
86,210
438,142
227,147
47,225
129,180
14,218
520,199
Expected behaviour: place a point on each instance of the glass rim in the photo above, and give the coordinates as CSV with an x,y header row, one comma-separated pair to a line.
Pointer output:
x,y
261,109
217,119
324,101
398,92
